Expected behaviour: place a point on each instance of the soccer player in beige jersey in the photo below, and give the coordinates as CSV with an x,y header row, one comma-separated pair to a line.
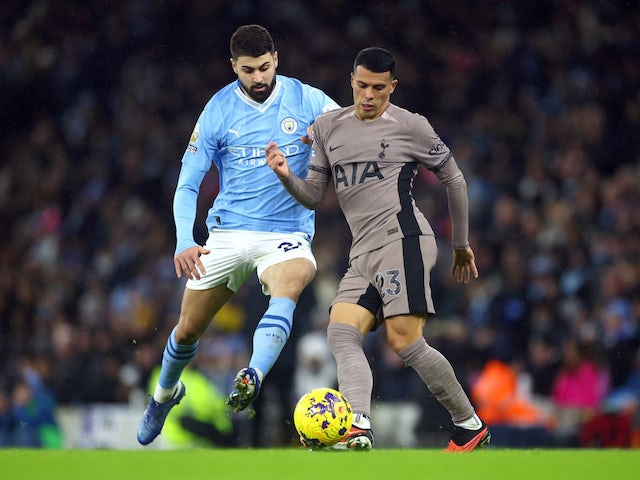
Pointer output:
x,y
373,150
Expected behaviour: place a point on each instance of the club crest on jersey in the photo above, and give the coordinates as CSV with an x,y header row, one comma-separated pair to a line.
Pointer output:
x,y
289,125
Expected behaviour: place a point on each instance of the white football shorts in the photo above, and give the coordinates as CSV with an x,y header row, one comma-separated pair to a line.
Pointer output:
x,y
235,254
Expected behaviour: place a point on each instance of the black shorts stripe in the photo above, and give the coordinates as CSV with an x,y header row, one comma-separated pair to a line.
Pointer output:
x,y
370,300
406,216
414,274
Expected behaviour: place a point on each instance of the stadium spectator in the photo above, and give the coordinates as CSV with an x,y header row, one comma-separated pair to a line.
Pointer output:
x,y
578,390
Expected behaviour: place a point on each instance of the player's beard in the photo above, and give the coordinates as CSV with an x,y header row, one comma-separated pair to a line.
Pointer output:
x,y
260,96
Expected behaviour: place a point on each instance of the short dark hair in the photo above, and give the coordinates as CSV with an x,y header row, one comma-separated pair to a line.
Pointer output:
x,y
376,60
251,41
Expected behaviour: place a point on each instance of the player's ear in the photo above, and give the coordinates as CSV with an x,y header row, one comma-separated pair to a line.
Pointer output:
x,y
234,65
275,59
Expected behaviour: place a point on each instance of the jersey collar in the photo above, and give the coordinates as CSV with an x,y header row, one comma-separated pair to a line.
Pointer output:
x,y
260,106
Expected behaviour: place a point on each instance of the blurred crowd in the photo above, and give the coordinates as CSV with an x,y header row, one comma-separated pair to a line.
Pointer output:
x,y
539,101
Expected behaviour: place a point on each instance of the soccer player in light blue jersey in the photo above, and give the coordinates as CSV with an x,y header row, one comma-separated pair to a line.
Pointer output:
x,y
254,224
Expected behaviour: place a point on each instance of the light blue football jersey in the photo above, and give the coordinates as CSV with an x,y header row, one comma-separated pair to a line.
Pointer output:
x,y
232,132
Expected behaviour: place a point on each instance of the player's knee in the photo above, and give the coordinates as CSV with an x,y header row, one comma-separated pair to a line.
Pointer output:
x,y
186,333
396,344
398,340
403,330
342,338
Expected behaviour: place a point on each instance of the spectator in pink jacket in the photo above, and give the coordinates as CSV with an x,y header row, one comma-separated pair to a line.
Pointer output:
x,y
577,391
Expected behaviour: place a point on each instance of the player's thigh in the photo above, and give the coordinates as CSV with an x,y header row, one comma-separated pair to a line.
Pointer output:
x,y
352,314
288,278
284,262
198,309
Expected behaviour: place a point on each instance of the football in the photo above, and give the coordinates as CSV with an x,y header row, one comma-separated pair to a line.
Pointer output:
x,y
322,417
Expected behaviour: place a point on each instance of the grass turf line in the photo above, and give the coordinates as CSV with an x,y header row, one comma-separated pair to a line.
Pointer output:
x,y
300,464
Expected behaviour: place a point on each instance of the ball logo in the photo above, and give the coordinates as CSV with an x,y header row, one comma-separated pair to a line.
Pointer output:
x,y
289,125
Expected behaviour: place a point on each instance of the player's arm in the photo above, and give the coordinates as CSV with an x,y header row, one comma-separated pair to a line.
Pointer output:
x,y
309,192
438,158
464,264
187,256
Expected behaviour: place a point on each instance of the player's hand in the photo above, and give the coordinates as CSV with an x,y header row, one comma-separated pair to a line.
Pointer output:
x,y
277,161
308,138
188,261
464,264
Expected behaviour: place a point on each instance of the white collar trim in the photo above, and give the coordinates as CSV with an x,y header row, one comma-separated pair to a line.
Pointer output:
x,y
260,106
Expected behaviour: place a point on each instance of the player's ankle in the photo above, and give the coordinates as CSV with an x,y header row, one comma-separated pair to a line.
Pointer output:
x,y
361,420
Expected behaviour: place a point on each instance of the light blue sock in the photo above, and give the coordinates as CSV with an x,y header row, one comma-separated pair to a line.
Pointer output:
x,y
174,360
272,333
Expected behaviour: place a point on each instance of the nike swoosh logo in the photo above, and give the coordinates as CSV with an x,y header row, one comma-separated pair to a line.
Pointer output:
x,y
332,148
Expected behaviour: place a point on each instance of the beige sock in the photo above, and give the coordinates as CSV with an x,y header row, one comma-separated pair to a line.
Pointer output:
x,y
355,380
437,373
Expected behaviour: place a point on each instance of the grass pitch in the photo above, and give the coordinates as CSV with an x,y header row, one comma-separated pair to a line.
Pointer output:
x,y
300,464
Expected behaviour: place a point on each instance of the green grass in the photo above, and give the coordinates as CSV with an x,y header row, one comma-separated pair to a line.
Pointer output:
x,y
299,464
